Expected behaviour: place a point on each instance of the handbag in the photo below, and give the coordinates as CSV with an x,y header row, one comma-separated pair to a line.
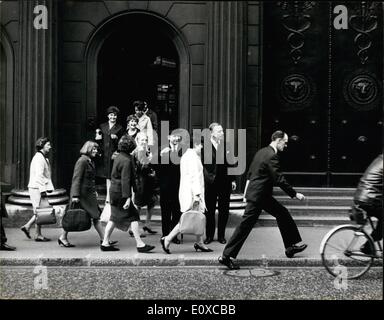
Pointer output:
x,y
106,214
192,222
45,213
76,219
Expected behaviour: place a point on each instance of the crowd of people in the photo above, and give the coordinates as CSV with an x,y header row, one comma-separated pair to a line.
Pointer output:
x,y
123,158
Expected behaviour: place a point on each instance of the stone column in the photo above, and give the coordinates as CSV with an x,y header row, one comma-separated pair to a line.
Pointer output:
x,y
226,63
36,86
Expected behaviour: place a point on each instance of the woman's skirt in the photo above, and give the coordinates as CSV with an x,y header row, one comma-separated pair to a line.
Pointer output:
x,y
123,217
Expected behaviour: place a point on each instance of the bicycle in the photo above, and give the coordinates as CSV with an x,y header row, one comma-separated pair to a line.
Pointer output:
x,y
340,248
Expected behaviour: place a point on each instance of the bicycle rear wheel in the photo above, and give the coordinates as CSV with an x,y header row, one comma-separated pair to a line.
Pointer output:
x,y
340,252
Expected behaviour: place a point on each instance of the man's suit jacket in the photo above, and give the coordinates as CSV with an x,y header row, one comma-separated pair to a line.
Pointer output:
x,y
264,173
169,176
216,171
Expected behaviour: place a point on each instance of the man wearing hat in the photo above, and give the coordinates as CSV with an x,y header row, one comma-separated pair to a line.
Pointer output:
x,y
107,136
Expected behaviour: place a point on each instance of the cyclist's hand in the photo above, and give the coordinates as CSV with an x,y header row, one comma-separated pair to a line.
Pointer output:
x,y
300,196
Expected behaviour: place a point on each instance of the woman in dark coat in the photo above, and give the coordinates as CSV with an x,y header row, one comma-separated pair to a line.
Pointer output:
x,y
123,211
107,137
83,189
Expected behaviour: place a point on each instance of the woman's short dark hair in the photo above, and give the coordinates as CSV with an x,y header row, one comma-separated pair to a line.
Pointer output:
x,y
113,109
277,135
126,144
86,149
139,105
40,143
132,117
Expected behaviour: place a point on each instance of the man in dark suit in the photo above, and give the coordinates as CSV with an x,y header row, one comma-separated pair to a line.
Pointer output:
x,y
169,182
263,174
218,184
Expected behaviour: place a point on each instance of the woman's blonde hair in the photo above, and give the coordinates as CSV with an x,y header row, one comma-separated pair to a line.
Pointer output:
x,y
139,135
86,149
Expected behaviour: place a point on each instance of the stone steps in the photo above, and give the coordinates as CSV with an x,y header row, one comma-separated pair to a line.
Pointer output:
x,y
323,206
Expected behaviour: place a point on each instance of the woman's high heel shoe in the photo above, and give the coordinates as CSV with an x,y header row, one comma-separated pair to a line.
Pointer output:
x,y
165,249
66,245
199,247
149,230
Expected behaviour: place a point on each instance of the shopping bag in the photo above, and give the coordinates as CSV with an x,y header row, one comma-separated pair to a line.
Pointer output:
x,y
106,214
192,222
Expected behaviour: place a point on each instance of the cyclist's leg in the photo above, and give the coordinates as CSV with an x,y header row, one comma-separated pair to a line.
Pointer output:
x,y
377,233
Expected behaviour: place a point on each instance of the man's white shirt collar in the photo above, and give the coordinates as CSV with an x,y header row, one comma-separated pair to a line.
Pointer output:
x,y
215,143
274,148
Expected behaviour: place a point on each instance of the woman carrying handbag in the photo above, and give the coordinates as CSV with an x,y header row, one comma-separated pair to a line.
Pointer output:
x,y
191,197
83,190
39,184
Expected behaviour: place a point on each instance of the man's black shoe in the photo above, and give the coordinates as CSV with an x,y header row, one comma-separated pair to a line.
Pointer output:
x,y
108,248
292,250
222,240
228,263
208,240
6,247
146,248
366,249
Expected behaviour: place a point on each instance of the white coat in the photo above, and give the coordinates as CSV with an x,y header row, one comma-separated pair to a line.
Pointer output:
x,y
145,126
191,180
40,173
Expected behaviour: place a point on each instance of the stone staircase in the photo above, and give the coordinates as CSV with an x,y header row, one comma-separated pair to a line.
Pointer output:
x,y
323,206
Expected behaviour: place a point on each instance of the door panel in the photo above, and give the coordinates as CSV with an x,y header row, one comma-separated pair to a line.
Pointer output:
x,y
316,88
356,114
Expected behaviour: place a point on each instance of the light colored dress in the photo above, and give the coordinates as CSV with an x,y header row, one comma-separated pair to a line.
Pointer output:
x,y
191,181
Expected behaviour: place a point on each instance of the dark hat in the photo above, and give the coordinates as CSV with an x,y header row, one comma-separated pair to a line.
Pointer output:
x,y
113,109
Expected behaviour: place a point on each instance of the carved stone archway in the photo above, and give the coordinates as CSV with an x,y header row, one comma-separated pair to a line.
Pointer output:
x,y
159,24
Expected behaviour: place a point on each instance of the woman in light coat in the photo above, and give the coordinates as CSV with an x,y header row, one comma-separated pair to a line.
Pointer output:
x,y
39,183
191,193
144,124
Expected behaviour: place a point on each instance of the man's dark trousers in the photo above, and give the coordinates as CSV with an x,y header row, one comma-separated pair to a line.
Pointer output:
x,y
287,226
219,192
170,213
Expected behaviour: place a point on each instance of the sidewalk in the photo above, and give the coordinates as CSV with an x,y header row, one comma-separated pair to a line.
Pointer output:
x,y
262,241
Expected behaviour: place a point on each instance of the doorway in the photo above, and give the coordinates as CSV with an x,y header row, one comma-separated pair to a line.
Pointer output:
x,y
137,62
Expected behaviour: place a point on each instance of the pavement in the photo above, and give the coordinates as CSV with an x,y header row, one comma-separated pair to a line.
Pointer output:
x,y
263,247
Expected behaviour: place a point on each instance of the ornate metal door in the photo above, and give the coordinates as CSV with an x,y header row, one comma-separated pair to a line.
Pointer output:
x,y
323,86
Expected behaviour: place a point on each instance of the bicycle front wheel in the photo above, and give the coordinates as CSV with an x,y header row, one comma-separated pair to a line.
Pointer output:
x,y
340,252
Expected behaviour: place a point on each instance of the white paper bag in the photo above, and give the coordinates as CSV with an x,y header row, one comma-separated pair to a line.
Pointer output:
x,y
106,214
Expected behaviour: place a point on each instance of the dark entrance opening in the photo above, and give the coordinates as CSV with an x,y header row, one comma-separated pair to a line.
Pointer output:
x,y
137,62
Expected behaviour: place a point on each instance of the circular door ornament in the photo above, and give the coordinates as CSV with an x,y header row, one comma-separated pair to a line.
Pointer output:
x,y
296,92
362,90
